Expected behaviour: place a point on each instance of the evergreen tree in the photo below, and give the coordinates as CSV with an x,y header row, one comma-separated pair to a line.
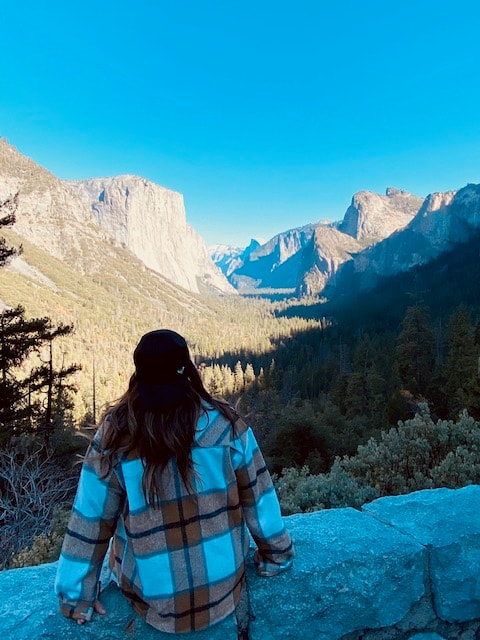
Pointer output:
x,y
357,392
31,399
415,352
239,382
461,365
249,375
53,383
19,337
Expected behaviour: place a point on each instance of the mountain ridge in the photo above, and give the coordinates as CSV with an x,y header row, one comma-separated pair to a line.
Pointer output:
x,y
67,217
379,236
306,259
445,220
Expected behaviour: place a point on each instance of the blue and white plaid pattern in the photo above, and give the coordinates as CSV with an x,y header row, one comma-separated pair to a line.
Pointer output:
x,y
182,564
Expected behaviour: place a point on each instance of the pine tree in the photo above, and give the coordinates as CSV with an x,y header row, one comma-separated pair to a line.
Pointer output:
x,y
249,375
53,383
415,352
32,400
357,391
461,365
239,381
19,337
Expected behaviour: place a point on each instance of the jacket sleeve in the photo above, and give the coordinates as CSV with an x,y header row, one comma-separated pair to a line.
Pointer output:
x,y
260,506
96,508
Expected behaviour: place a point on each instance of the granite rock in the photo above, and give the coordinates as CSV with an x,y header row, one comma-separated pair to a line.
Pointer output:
x,y
446,522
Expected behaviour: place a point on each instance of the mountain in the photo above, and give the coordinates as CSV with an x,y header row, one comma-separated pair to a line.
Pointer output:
x,y
274,264
228,258
444,221
443,284
321,259
369,219
66,218
306,258
150,221
372,217
75,271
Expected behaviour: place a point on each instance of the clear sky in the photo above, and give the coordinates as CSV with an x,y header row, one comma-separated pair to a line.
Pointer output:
x,y
265,115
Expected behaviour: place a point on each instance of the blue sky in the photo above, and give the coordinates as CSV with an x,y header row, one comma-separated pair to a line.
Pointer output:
x,y
265,115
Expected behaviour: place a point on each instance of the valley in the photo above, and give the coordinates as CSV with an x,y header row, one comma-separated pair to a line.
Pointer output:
x,y
311,336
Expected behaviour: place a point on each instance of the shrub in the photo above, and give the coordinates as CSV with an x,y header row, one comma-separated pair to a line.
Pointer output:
x,y
45,547
417,454
300,491
32,490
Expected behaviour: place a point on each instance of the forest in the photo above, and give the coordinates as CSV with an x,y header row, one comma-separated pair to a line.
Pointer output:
x,y
372,394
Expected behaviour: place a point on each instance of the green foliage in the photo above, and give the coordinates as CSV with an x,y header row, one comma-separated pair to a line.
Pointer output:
x,y
34,394
415,352
417,454
300,491
298,437
461,365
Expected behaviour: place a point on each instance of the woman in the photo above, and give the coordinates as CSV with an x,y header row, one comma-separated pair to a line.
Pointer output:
x,y
173,475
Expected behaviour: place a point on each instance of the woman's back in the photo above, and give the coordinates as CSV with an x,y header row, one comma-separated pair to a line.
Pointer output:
x,y
178,551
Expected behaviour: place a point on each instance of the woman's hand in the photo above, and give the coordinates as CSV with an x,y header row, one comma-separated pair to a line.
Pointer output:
x,y
98,607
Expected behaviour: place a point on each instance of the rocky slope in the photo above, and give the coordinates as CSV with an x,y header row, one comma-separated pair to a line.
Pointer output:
x,y
307,258
369,219
228,258
372,217
77,221
443,221
48,215
274,264
327,251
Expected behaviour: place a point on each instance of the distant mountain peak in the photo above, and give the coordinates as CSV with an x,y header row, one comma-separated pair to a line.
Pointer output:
x,y
372,217
252,245
445,219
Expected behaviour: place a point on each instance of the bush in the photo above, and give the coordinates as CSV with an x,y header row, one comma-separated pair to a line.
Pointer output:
x,y
420,454
417,454
47,546
299,491
33,492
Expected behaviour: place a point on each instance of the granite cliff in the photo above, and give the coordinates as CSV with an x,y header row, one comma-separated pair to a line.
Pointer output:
x,y
150,221
321,259
369,219
228,258
77,221
372,217
444,221
274,264
306,258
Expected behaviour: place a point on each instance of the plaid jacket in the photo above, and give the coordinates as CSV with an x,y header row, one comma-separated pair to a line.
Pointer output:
x,y
181,565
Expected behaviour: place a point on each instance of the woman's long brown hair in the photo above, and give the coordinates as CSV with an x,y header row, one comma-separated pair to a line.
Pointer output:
x,y
157,436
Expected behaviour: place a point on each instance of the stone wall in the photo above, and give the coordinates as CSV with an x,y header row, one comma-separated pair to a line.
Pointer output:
x,y
402,568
